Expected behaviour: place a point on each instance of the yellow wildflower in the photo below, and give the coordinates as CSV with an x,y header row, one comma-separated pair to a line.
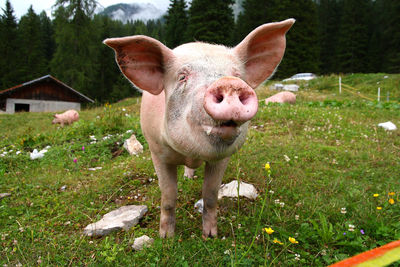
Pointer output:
x,y
276,241
269,230
267,166
391,193
293,240
376,195
391,201
378,208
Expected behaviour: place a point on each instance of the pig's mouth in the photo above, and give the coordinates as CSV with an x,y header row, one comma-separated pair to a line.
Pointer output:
x,y
229,123
226,130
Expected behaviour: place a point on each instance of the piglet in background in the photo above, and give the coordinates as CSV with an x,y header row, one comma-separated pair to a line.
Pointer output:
x,y
197,103
282,97
68,117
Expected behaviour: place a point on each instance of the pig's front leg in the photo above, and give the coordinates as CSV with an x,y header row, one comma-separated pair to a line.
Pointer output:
x,y
168,185
212,181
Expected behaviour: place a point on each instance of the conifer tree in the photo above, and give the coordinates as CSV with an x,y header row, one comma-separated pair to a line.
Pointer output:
x,y
329,19
33,62
353,36
391,36
9,48
176,23
254,14
75,54
47,30
211,21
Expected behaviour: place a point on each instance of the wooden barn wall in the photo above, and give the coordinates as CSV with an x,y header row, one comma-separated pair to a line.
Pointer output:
x,y
45,90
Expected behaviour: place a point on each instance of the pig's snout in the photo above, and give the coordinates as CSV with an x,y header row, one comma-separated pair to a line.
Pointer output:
x,y
230,99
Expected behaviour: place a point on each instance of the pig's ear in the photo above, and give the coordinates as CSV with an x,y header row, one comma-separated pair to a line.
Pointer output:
x,y
142,60
262,50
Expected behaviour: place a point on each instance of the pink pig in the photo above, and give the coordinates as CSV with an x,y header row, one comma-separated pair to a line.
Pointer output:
x,y
282,97
67,117
197,102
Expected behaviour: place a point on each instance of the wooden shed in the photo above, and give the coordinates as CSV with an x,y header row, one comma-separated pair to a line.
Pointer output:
x,y
45,94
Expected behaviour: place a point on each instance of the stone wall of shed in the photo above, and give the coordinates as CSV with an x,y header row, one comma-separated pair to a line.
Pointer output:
x,y
41,105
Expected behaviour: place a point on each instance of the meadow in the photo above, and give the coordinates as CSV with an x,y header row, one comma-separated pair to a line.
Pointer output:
x,y
331,189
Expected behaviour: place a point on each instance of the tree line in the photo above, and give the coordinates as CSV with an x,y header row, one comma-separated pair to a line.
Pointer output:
x,y
329,36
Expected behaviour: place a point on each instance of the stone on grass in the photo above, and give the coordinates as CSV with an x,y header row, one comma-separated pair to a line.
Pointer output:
x,y
199,206
285,87
37,154
141,242
390,126
231,190
133,146
3,195
123,218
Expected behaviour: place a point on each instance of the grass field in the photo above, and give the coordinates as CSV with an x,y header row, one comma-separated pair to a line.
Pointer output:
x,y
334,185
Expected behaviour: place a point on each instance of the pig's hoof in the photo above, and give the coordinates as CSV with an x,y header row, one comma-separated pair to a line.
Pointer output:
x,y
209,232
189,173
167,231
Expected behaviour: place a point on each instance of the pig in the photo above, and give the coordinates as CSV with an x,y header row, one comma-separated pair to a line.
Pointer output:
x,y
196,106
68,117
282,97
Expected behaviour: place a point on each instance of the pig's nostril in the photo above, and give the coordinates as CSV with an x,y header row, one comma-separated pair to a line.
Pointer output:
x,y
244,98
219,98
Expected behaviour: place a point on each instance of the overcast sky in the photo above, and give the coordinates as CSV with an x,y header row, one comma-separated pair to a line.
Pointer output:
x,y
21,6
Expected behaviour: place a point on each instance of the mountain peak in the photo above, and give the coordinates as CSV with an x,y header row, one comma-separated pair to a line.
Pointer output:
x,y
132,12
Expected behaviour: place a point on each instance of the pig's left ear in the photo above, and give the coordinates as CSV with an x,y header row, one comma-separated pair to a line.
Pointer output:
x,y
142,60
262,50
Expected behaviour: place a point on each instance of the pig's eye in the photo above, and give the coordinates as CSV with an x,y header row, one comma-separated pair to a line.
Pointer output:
x,y
182,77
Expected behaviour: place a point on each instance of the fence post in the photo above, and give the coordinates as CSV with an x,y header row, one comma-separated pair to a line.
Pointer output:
x,y
340,84
379,94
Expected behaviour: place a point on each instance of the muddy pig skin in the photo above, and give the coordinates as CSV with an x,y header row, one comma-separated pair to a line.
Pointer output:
x,y
282,97
67,117
197,102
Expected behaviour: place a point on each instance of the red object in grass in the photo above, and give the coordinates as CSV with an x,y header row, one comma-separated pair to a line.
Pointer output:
x,y
376,257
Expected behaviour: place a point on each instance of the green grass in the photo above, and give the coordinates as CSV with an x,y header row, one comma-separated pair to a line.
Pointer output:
x,y
336,160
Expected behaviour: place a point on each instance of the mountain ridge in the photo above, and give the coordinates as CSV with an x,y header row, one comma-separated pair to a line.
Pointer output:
x,y
146,11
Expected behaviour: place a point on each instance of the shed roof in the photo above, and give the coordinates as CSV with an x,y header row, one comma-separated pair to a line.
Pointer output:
x,y
44,78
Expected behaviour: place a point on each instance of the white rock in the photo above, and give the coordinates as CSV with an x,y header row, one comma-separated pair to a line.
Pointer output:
x,y
291,87
285,87
37,155
276,86
133,146
231,190
95,168
199,206
3,195
390,126
123,218
141,242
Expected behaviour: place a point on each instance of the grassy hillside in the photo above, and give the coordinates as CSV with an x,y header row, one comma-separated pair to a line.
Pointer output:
x,y
327,155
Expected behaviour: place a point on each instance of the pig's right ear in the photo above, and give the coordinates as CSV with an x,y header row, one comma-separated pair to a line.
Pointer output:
x,y
142,60
262,50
